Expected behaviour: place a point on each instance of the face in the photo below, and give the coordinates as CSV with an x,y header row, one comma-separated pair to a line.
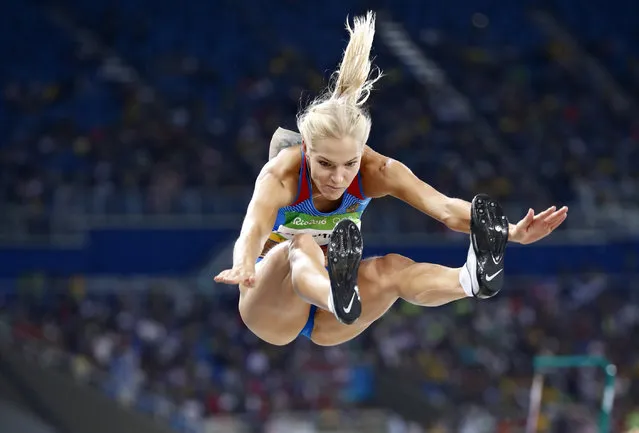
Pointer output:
x,y
334,163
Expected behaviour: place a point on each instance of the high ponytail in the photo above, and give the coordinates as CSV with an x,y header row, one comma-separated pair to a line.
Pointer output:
x,y
352,81
340,112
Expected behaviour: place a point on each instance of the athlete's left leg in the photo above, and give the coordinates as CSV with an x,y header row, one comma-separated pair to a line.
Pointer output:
x,y
481,276
382,280
425,284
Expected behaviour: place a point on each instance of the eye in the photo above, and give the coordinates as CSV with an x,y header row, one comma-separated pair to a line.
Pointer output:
x,y
324,164
351,164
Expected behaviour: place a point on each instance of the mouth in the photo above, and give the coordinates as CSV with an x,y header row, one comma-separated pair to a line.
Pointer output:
x,y
333,188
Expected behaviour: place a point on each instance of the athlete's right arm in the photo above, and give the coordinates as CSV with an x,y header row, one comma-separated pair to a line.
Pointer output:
x,y
275,187
270,194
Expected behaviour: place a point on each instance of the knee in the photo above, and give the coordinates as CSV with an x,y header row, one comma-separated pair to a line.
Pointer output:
x,y
255,324
305,244
302,241
244,308
396,262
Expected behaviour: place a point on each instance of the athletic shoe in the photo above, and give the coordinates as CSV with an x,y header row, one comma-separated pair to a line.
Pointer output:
x,y
344,256
489,236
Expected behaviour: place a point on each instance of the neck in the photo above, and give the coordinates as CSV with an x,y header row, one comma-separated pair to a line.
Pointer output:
x,y
321,203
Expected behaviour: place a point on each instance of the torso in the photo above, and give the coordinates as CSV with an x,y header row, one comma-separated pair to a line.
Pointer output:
x,y
375,274
317,219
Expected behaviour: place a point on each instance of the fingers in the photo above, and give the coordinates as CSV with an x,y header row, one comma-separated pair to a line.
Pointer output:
x,y
528,219
556,217
551,218
544,214
230,276
248,281
226,277
558,223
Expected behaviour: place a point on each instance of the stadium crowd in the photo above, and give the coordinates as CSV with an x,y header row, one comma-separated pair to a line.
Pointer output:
x,y
188,137
166,348
154,113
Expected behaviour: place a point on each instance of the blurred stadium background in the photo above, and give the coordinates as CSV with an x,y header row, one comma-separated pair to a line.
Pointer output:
x,y
131,132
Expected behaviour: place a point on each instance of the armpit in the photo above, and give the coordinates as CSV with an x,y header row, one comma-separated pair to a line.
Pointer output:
x,y
282,139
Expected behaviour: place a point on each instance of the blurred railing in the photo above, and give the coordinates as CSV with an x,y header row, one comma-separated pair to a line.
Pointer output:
x,y
182,290
67,220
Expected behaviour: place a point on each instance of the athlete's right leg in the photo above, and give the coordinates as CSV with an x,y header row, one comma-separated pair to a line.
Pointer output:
x,y
271,309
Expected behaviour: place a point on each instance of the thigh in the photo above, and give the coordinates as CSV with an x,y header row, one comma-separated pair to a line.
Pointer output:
x,y
424,284
378,277
271,309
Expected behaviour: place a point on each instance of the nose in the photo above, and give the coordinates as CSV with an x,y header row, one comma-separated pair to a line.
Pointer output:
x,y
337,177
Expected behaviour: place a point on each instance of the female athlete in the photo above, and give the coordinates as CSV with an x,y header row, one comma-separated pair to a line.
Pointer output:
x,y
305,214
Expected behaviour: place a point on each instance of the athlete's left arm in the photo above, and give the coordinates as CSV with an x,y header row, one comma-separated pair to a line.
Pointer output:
x,y
385,176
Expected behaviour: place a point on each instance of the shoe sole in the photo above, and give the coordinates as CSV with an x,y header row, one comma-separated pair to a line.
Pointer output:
x,y
489,236
344,256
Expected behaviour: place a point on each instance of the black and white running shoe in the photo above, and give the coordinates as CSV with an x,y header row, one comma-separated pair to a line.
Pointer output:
x,y
489,236
344,256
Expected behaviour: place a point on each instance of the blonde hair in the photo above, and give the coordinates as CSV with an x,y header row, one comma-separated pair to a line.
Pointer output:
x,y
339,112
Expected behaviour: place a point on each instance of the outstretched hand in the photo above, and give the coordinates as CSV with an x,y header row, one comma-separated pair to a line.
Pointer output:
x,y
535,227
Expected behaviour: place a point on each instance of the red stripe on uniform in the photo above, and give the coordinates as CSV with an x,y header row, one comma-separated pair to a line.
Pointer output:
x,y
354,188
304,193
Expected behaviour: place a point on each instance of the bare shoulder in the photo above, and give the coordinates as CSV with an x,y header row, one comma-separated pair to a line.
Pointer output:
x,y
284,168
375,171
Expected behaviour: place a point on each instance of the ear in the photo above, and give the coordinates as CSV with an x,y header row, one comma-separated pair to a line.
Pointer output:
x,y
304,147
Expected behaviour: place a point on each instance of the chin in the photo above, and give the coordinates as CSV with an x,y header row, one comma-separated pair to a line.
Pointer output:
x,y
332,194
